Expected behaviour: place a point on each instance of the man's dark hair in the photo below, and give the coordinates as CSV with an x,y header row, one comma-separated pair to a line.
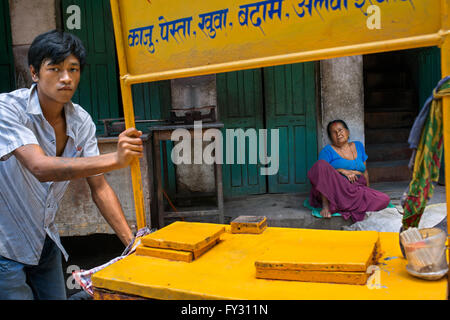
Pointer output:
x,y
55,45
333,122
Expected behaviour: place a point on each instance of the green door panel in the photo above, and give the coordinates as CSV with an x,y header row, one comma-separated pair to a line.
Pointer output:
x,y
7,80
429,76
289,93
429,60
152,101
98,90
240,105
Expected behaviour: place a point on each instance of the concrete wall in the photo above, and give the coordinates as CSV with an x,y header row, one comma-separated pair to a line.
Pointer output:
x,y
187,93
342,95
29,18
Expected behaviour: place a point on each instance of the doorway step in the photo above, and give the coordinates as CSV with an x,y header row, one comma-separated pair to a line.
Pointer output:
x,y
390,110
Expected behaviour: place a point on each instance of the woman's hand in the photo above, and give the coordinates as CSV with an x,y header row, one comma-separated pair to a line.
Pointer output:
x,y
351,175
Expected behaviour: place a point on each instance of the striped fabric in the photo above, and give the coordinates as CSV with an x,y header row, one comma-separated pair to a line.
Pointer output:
x,y
427,161
27,206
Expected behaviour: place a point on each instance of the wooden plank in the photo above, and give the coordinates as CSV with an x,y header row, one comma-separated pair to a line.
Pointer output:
x,y
356,278
175,255
187,236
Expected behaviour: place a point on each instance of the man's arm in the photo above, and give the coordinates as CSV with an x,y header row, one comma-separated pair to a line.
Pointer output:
x,y
107,202
46,168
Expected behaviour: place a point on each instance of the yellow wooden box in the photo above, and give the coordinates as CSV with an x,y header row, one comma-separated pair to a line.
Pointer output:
x,y
177,255
338,255
331,260
185,236
248,224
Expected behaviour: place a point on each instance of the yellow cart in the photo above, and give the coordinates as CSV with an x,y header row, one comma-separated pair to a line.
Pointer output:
x,y
161,39
227,271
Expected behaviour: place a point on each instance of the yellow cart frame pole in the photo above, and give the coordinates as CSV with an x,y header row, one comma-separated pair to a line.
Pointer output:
x,y
445,66
128,111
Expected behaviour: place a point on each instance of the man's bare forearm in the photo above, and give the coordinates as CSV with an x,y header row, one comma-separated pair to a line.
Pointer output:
x,y
62,169
46,168
109,206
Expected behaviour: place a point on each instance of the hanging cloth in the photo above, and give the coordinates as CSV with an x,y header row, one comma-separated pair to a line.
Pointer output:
x,y
427,157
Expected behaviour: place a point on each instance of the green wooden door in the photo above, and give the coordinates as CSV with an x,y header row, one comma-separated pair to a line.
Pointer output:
x,y
98,91
280,98
429,60
152,101
240,103
7,82
289,92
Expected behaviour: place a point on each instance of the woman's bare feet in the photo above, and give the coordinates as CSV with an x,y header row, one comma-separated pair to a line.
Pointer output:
x,y
325,212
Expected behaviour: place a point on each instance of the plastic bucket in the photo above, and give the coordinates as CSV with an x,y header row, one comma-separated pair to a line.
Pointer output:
x,y
427,258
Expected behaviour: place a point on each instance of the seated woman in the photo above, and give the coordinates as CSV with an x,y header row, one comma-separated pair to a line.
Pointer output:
x,y
340,181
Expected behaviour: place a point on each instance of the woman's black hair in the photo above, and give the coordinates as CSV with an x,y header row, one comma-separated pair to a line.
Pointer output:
x,y
333,122
56,46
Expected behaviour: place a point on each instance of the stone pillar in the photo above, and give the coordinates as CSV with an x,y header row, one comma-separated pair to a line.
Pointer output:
x,y
28,20
342,91
188,93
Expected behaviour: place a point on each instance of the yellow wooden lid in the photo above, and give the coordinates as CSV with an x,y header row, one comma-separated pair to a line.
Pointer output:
x,y
186,236
337,253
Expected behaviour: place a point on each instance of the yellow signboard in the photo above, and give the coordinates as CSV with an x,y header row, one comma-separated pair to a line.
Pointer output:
x,y
165,39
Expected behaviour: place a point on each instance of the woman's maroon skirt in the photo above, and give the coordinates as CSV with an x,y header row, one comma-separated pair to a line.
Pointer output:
x,y
350,199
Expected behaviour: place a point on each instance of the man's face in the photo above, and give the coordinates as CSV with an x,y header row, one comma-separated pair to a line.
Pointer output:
x,y
58,82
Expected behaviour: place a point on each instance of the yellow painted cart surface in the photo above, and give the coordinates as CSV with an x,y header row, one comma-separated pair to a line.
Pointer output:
x,y
227,271
162,39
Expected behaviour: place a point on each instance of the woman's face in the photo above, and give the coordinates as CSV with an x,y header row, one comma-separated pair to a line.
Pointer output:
x,y
339,135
